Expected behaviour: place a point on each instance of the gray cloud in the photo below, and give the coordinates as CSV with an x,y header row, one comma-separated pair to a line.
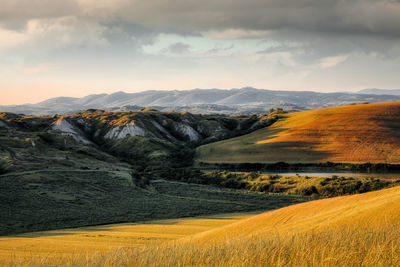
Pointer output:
x,y
296,37
14,14
178,48
362,17
328,26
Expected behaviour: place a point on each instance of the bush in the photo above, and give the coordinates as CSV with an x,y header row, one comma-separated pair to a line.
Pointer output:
x,y
308,191
252,175
4,166
140,180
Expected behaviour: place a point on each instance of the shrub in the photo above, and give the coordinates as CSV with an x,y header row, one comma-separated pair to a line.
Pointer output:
x,y
4,166
253,175
308,191
47,138
140,180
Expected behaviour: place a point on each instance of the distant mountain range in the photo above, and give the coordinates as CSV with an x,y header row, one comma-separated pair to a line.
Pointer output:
x,y
234,101
374,91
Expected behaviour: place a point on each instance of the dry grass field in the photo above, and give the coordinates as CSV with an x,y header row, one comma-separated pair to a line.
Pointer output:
x,y
357,230
351,134
80,242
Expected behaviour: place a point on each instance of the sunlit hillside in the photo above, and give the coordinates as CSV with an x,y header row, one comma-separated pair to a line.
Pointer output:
x,y
357,230
352,134
92,240
367,211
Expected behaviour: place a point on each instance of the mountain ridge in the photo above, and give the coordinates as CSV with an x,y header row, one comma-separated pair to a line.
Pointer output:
x,y
376,91
246,100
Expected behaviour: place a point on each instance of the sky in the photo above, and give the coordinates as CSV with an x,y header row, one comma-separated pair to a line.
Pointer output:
x,y
51,48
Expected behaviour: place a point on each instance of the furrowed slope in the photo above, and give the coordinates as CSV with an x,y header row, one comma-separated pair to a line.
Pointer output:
x,y
352,134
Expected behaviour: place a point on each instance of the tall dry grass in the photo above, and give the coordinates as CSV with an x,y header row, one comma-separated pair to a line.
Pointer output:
x,y
357,230
344,246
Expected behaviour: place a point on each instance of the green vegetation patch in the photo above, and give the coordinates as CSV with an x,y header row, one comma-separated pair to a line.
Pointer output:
x,y
281,184
53,199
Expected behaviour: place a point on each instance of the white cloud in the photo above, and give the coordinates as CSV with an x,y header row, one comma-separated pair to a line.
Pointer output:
x,y
329,62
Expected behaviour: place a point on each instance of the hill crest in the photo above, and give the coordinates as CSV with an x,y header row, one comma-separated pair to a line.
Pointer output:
x,y
347,134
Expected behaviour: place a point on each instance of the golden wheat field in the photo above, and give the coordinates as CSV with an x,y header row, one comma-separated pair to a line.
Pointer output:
x,y
357,230
353,134
87,241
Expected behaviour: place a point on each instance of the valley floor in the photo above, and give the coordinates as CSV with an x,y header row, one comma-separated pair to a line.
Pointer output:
x,y
57,199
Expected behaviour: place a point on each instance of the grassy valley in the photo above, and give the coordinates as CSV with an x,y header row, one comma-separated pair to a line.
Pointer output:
x,y
71,198
167,173
98,168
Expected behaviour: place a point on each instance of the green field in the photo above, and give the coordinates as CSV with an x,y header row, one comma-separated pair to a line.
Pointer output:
x,y
241,149
54,199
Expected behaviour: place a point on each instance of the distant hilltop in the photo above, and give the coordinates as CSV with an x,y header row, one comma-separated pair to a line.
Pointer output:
x,y
374,91
246,100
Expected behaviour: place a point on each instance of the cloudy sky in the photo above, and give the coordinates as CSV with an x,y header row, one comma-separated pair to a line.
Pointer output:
x,y
78,47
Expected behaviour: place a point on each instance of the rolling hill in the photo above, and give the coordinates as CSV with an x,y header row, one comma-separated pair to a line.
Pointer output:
x,y
143,136
358,230
347,134
97,167
366,210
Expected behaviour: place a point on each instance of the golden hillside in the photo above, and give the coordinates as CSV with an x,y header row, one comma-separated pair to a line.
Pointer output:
x,y
357,230
363,211
351,134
